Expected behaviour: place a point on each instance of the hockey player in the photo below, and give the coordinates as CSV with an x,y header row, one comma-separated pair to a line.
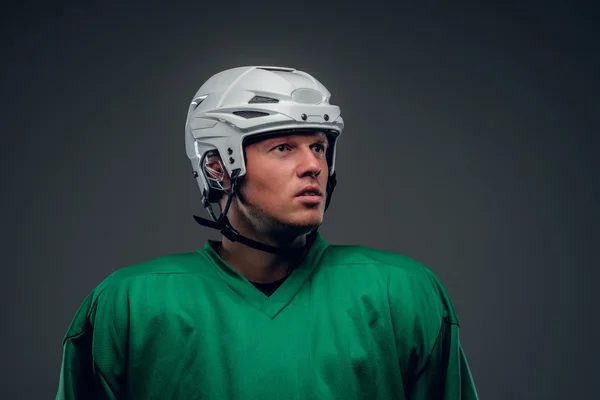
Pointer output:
x,y
272,311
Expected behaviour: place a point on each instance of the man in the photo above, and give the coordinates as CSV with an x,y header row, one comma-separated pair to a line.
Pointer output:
x,y
272,311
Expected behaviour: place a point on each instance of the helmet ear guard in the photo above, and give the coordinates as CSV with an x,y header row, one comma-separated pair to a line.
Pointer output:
x,y
215,172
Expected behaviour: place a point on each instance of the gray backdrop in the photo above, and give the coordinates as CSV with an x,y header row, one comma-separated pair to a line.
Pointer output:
x,y
470,145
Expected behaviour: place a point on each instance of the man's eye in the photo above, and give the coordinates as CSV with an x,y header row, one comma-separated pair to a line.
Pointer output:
x,y
281,147
319,147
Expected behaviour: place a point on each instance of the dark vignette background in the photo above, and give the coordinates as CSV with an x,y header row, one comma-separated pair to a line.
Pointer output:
x,y
470,145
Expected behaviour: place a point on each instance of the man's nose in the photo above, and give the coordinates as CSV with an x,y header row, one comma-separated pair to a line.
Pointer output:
x,y
310,162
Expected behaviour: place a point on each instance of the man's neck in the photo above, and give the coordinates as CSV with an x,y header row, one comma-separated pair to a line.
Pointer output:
x,y
257,265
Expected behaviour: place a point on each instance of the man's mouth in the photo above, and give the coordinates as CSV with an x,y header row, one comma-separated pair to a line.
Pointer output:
x,y
310,191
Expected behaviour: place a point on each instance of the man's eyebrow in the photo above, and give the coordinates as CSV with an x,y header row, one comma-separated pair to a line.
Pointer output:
x,y
271,140
322,139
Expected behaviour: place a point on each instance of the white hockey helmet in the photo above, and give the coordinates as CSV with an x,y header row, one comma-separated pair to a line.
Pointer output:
x,y
238,103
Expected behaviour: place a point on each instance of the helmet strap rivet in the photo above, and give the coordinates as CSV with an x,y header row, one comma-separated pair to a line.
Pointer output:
x,y
231,160
229,151
304,117
326,117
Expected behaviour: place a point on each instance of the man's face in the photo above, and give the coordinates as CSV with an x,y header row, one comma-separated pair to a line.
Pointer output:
x,y
280,171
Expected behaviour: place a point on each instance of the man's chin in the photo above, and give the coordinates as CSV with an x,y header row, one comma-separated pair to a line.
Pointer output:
x,y
302,226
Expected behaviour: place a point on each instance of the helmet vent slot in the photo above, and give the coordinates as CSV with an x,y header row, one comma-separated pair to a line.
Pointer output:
x,y
198,100
250,114
278,69
262,99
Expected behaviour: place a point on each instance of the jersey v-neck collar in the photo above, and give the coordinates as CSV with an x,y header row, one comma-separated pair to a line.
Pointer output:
x,y
271,305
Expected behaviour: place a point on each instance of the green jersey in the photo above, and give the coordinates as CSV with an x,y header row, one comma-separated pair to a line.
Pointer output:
x,y
348,323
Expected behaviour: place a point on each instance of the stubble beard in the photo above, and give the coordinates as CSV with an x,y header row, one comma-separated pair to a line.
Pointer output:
x,y
263,222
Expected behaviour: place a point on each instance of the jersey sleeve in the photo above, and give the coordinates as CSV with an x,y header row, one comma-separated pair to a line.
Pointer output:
x,y
426,329
93,361
446,375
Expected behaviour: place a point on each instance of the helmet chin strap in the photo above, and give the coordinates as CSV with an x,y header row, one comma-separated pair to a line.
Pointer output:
x,y
224,226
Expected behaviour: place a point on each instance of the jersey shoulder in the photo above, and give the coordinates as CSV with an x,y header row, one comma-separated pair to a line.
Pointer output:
x,y
122,280
177,263
111,295
407,279
342,255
